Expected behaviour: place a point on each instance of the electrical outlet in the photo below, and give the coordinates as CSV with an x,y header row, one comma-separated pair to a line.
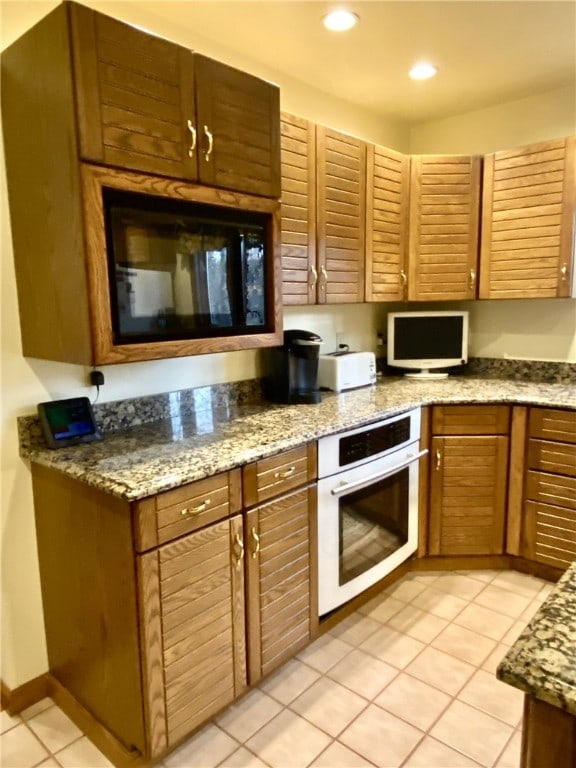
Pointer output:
x,y
96,378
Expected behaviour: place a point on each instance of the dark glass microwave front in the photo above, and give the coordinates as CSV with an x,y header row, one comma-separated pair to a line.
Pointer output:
x,y
181,270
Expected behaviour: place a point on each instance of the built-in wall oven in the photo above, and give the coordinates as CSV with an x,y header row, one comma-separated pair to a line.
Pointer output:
x,y
367,505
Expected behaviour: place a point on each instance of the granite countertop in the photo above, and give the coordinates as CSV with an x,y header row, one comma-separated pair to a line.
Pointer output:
x,y
145,460
542,661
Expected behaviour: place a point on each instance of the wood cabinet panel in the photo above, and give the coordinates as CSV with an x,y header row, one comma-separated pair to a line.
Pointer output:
x,y
549,534
444,227
341,211
298,227
202,624
468,495
264,479
387,202
529,201
470,419
548,735
553,424
549,456
281,572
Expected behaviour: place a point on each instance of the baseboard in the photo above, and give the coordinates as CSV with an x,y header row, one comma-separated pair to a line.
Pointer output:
x,y
14,701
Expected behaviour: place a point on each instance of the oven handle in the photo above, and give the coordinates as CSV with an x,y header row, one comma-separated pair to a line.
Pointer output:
x,y
347,487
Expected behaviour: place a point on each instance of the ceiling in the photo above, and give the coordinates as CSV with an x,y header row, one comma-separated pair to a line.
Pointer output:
x,y
487,51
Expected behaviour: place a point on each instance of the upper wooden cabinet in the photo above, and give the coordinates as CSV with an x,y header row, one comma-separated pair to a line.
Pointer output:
x,y
323,214
528,221
444,220
147,104
387,204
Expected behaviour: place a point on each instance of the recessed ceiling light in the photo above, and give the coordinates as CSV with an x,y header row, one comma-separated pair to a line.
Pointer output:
x,y
340,21
422,71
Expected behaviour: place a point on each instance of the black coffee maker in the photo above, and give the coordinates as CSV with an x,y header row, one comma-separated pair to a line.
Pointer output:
x,y
294,374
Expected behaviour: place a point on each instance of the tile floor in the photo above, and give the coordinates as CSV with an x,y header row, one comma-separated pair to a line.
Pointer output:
x,y
408,680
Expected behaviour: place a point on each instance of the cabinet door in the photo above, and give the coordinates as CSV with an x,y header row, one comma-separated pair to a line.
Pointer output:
x,y
444,222
135,96
549,534
387,200
193,628
529,201
467,495
341,206
282,586
238,124
298,228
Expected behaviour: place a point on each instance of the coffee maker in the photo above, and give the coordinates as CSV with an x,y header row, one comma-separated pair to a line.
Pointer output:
x,y
294,368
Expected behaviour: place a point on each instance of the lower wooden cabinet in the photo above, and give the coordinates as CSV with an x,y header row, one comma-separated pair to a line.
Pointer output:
x,y
468,480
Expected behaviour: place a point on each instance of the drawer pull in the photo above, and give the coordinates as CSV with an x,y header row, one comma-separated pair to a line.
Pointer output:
x,y
240,552
286,473
256,542
195,510
438,459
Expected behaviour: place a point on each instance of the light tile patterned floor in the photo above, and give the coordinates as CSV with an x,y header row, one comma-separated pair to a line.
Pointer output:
x,y
407,681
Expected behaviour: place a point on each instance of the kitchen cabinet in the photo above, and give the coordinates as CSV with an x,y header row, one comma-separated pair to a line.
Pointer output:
x,y
387,208
528,210
147,104
444,227
468,479
281,560
74,90
323,208
548,533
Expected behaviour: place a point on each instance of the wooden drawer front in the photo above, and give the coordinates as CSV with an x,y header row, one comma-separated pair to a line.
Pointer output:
x,y
278,474
169,515
558,458
549,534
298,231
203,641
552,424
470,419
551,489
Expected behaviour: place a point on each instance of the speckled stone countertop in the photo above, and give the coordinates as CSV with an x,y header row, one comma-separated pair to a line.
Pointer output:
x,y
542,661
144,460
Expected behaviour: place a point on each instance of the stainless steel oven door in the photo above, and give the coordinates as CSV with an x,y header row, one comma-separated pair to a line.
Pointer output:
x,y
367,524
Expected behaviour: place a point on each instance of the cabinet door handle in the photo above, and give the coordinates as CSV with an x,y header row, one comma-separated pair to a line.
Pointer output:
x,y
438,459
193,144
194,510
256,542
286,473
325,276
404,281
314,272
210,144
472,278
240,544
564,272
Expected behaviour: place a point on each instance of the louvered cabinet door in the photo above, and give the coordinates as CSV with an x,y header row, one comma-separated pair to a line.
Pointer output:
x,y
134,95
444,224
238,124
341,209
282,586
298,227
193,626
529,204
387,196
467,495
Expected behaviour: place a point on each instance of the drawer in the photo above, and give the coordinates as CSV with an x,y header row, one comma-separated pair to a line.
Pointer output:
x,y
548,456
166,516
273,476
549,534
470,419
553,424
551,489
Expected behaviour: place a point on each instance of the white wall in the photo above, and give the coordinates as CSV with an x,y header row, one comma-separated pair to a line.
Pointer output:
x,y
25,382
